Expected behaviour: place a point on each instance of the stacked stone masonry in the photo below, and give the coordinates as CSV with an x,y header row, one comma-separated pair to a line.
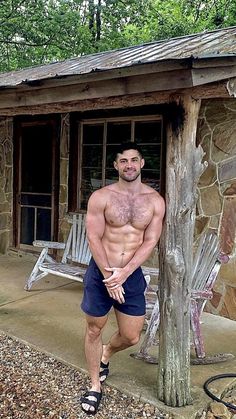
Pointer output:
x,y
6,182
216,207
64,175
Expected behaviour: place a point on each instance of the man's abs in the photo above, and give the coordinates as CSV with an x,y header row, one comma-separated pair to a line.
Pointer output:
x,y
121,244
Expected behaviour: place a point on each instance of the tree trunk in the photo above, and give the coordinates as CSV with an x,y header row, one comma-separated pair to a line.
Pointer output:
x,y
91,19
184,168
98,21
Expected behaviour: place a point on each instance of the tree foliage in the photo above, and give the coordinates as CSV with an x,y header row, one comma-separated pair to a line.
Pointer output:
x,y
41,31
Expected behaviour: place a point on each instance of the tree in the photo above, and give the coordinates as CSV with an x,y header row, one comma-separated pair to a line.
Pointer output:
x,y
41,31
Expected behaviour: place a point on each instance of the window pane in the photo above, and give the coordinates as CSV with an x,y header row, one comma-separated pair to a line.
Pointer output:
x,y
86,179
91,179
36,200
85,194
43,224
110,157
148,135
86,188
151,178
92,156
152,156
27,225
36,153
148,132
111,176
93,133
118,132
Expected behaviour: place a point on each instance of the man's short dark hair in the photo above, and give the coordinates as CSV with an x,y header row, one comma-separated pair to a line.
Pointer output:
x,y
128,146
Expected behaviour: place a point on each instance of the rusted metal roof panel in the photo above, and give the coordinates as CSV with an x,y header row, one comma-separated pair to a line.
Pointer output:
x,y
218,43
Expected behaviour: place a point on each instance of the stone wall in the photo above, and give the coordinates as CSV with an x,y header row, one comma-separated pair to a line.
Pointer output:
x,y
6,182
216,207
64,174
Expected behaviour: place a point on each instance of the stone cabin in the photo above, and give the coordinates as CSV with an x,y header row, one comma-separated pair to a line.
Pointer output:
x,y
59,124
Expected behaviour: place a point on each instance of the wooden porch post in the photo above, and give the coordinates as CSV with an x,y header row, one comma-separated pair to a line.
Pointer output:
x,y
183,169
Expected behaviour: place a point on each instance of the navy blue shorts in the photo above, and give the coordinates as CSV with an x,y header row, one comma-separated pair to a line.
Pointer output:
x,y
97,302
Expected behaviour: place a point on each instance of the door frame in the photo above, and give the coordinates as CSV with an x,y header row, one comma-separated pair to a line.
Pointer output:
x,y
34,121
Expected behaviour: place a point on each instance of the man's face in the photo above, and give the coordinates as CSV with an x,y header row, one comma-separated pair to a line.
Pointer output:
x,y
129,165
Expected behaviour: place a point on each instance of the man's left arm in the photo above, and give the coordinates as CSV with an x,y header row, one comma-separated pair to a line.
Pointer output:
x,y
151,238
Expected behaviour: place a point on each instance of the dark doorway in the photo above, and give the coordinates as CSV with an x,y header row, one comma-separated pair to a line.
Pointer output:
x,y
36,181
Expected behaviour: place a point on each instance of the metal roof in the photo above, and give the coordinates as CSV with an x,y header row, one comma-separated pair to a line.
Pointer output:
x,y
217,43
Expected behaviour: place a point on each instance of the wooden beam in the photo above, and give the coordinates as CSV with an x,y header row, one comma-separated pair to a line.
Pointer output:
x,y
209,91
23,78
94,90
231,87
202,76
184,169
214,62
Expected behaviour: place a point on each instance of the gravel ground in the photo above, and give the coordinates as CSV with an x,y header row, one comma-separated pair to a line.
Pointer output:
x,y
34,385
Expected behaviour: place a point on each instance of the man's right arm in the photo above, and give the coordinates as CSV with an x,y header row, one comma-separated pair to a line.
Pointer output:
x,y
95,227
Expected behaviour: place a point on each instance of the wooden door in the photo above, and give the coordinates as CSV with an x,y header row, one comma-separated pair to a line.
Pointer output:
x,y
36,182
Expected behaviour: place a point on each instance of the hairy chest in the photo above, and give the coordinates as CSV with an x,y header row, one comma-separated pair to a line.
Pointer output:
x,y
129,210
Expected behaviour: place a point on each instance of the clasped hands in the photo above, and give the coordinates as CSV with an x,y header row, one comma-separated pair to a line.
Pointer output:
x,y
114,284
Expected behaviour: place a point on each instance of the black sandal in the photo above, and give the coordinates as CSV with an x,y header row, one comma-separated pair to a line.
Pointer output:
x,y
104,373
93,403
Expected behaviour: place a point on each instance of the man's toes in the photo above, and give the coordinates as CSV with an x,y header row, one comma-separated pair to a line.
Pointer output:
x,y
87,407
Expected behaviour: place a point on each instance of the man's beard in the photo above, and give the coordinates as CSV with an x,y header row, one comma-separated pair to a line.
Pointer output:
x,y
129,179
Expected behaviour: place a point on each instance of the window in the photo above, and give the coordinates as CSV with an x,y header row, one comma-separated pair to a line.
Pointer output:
x,y
94,150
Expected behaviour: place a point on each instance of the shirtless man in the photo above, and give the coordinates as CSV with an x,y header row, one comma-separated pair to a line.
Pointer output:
x,y
124,222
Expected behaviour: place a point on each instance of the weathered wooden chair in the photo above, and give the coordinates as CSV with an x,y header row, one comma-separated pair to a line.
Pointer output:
x,y
75,258
206,265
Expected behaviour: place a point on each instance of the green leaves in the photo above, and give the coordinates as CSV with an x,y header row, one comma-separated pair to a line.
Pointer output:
x,y
41,31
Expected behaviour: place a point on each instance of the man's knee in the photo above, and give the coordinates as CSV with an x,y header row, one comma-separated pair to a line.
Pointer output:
x,y
95,326
132,340
93,332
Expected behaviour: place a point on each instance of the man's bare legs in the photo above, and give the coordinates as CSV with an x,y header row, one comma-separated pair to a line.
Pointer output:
x,y
128,334
93,352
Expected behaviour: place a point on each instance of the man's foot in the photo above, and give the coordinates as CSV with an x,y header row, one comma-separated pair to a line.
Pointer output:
x,y
90,402
104,371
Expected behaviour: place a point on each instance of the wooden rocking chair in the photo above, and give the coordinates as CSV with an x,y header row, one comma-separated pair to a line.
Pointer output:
x,y
206,265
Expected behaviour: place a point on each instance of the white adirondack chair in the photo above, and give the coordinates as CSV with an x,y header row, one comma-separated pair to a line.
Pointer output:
x,y
75,258
206,265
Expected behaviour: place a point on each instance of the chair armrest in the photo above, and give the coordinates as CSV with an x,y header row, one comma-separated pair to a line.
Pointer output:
x,y
195,294
50,245
149,270
223,258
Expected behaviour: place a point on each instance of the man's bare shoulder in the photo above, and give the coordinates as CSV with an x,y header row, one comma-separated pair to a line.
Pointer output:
x,y
156,199
149,190
103,193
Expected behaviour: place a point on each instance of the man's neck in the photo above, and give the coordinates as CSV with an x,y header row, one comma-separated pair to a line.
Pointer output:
x,y
133,187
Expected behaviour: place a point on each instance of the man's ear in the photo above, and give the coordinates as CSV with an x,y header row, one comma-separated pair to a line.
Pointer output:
x,y
142,163
115,165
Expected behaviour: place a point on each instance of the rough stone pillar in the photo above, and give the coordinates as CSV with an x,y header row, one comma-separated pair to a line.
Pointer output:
x,y
64,174
6,183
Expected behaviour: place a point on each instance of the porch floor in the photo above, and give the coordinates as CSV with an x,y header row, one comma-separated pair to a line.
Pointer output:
x,y
49,318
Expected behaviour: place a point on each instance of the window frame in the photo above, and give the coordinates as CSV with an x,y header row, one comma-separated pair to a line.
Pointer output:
x,y
74,198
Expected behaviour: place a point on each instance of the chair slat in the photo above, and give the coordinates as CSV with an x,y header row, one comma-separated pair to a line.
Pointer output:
x,y
67,248
80,226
